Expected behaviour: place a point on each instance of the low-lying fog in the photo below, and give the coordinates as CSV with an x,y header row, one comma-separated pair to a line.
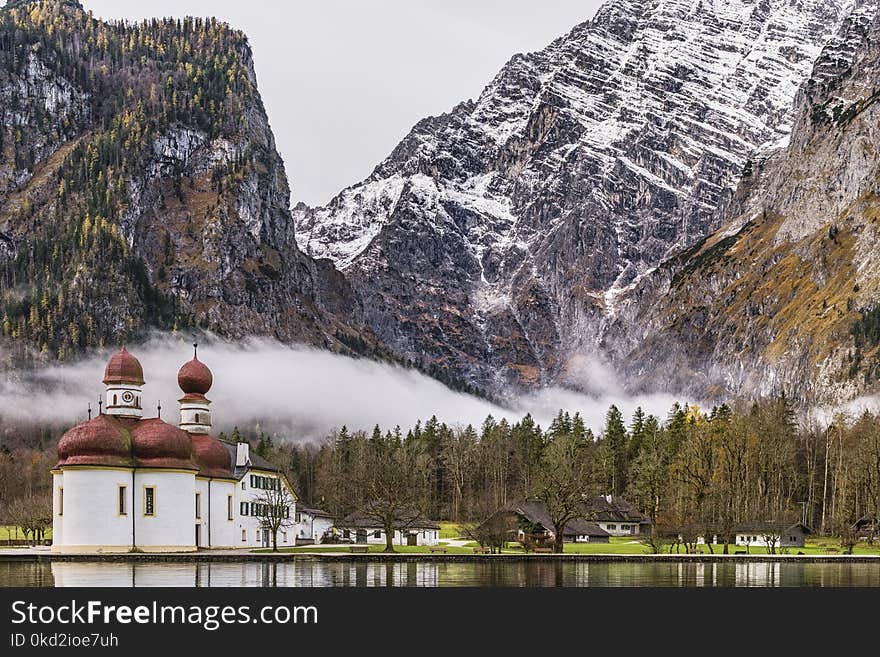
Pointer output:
x,y
301,393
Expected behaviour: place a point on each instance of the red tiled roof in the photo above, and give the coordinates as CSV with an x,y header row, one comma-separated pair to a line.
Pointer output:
x,y
211,456
158,444
124,368
194,396
104,440
195,377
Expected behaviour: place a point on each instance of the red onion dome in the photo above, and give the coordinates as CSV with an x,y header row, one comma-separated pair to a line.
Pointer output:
x,y
124,368
211,456
195,377
103,440
158,444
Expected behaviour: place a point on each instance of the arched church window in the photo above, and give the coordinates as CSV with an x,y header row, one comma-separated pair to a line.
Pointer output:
x,y
114,400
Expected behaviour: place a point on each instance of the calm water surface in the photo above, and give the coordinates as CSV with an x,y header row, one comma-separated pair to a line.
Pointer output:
x,y
363,574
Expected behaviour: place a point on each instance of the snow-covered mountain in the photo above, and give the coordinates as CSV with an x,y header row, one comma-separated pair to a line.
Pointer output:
x,y
496,240
785,297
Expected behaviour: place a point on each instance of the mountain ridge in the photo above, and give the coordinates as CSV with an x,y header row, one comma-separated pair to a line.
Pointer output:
x,y
797,260
497,239
140,188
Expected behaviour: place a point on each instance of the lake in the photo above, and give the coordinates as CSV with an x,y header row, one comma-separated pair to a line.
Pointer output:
x,y
337,572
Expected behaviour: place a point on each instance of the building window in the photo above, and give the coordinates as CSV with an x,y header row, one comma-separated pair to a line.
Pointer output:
x,y
122,503
243,508
612,526
298,518
284,537
114,400
377,534
198,506
253,481
244,536
243,487
346,533
149,500
254,511
229,507
60,501
258,534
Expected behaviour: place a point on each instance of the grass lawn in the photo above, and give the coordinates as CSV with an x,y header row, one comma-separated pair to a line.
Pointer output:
x,y
449,530
617,545
9,532
819,546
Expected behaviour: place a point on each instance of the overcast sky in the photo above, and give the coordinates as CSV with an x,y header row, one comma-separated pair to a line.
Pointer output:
x,y
344,80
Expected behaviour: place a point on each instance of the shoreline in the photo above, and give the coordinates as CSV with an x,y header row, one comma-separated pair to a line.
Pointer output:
x,y
229,557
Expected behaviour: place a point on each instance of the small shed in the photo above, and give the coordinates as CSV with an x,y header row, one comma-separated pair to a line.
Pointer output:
x,y
409,529
776,534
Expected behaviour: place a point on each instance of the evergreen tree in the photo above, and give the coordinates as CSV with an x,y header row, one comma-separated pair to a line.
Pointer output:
x,y
615,438
636,434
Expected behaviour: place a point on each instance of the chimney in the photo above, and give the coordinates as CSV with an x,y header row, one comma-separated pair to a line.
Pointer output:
x,y
242,455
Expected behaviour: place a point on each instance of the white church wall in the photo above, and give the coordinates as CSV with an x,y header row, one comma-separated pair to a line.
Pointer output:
x,y
57,519
172,526
222,528
202,517
90,514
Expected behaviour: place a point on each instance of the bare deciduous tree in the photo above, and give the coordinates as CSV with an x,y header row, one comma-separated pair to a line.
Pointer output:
x,y
564,480
277,505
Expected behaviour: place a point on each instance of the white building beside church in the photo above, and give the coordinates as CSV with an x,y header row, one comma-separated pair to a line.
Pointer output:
x,y
125,483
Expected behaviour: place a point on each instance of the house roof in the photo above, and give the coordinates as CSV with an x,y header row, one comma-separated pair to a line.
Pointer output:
x,y
607,508
536,512
866,521
403,521
257,461
315,513
771,527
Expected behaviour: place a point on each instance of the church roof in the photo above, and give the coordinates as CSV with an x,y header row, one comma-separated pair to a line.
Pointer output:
x,y
124,368
194,377
108,440
211,456
103,440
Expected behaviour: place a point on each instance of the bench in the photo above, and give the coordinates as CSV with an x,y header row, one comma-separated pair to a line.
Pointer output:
x,y
740,552
544,550
359,548
481,550
438,548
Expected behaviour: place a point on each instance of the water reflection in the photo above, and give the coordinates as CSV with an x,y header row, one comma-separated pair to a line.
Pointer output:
x,y
432,574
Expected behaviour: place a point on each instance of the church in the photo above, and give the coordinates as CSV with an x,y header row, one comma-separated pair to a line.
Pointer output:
x,y
126,483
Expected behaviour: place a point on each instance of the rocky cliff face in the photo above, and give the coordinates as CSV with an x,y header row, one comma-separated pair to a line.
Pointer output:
x,y
140,187
784,297
497,240
688,189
